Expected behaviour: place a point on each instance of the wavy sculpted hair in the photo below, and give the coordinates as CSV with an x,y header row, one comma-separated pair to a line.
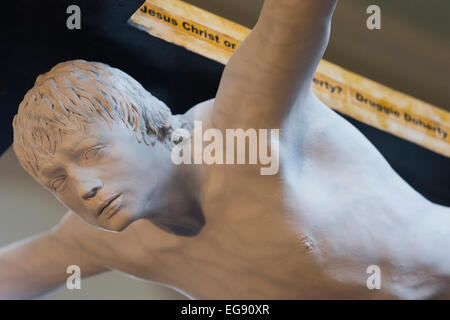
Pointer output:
x,y
65,98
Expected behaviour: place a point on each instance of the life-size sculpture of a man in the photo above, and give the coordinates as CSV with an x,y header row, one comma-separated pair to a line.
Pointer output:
x,y
102,145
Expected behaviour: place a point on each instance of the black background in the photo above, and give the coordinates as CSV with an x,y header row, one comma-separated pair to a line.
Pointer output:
x,y
288,309
34,38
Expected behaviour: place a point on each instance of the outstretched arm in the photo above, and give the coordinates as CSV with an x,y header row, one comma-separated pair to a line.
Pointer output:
x,y
34,266
273,68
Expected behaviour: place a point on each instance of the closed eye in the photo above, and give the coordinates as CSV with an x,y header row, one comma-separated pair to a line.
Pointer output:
x,y
92,152
56,184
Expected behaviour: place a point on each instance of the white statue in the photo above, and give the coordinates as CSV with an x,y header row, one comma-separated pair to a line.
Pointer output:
x,y
102,144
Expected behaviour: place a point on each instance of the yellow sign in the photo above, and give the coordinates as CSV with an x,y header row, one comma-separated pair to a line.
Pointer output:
x,y
367,101
190,27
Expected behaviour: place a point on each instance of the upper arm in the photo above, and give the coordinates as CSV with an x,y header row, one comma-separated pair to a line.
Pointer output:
x,y
38,264
75,235
275,65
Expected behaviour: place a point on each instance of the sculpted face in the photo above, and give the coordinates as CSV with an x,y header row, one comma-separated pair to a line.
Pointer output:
x,y
105,175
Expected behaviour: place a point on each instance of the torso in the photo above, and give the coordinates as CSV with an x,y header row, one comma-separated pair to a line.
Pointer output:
x,y
260,239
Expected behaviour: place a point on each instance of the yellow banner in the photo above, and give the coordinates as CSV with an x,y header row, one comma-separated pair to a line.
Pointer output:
x,y
367,101
190,27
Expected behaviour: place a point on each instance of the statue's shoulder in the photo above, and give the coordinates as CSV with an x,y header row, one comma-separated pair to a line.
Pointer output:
x,y
73,229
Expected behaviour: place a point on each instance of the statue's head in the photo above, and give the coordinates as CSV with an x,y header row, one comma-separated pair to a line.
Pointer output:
x,y
91,134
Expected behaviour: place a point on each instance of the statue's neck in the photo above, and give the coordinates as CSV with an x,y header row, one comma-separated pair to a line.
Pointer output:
x,y
177,208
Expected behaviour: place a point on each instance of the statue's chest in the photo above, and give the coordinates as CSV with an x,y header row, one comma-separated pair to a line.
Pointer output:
x,y
248,247
240,249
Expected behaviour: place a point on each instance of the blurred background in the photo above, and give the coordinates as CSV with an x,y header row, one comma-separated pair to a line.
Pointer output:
x,y
411,53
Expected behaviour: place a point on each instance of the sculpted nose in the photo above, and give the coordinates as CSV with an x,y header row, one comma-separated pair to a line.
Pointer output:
x,y
91,189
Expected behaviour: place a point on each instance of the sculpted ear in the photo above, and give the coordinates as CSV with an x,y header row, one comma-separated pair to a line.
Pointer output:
x,y
179,135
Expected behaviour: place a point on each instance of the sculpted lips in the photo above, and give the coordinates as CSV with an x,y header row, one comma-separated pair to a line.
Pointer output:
x,y
105,206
